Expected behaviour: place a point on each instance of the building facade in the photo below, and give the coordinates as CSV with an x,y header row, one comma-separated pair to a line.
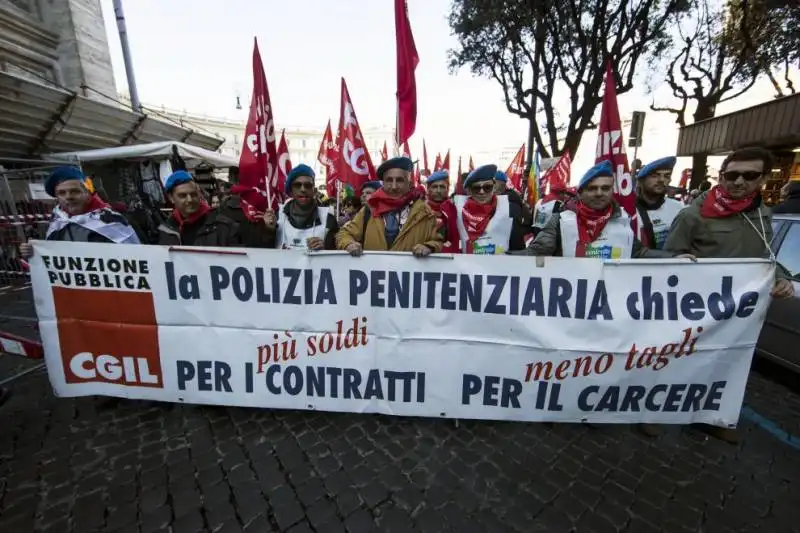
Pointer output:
x,y
62,43
303,142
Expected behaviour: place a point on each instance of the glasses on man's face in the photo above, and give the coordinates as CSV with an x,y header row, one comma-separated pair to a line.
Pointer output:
x,y
302,186
733,175
482,189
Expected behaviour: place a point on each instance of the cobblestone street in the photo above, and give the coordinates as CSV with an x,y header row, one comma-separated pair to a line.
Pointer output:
x,y
97,464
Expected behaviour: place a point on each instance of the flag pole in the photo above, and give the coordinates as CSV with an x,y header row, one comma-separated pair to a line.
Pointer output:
x,y
338,197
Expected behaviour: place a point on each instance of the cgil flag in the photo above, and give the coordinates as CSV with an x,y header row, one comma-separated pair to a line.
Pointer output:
x,y
327,157
258,164
516,170
354,166
611,147
284,163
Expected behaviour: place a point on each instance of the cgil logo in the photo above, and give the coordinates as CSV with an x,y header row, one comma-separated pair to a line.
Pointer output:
x,y
125,370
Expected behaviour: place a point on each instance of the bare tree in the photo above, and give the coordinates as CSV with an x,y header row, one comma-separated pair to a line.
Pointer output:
x,y
541,51
720,53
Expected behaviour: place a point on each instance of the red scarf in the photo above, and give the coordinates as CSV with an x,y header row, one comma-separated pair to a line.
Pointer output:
x,y
191,219
436,207
93,204
476,217
380,203
590,225
446,224
719,204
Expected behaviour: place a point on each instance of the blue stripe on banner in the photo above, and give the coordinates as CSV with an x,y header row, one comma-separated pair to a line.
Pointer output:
x,y
771,427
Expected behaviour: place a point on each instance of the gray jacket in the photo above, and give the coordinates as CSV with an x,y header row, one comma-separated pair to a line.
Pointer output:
x,y
548,241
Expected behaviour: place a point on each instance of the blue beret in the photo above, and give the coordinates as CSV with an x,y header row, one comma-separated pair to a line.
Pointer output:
x,y
597,171
296,172
403,163
440,175
486,172
665,163
372,185
62,174
501,176
178,177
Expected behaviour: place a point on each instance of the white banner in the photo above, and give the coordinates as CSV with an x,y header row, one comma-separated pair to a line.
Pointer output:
x,y
487,337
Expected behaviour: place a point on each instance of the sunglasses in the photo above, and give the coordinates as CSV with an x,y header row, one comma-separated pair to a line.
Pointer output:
x,y
733,175
478,189
302,186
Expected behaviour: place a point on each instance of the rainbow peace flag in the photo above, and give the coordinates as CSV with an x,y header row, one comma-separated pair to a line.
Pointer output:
x,y
534,179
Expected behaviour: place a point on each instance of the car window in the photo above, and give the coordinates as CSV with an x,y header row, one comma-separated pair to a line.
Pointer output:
x,y
776,226
789,254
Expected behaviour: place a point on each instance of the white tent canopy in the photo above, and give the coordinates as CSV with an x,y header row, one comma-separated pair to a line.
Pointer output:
x,y
192,155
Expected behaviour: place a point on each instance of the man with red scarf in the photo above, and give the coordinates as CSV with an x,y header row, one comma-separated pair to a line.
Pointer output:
x,y
395,218
488,223
193,222
731,221
80,215
593,225
438,186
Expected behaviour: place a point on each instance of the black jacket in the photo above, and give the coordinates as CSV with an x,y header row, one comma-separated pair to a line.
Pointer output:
x,y
520,228
792,203
253,234
514,198
211,230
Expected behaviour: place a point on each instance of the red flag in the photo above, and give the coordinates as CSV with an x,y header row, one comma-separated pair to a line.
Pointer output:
x,y
406,150
611,147
446,162
471,164
459,182
557,177
516,170
459,167
425,157
437,164
685,175
407,60
258,164
384,152
284,162
327,157
354,165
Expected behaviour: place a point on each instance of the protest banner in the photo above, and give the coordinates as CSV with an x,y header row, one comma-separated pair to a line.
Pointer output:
x,y
501,337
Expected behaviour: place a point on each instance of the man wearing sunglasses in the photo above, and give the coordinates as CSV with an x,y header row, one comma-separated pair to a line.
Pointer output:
x,y
488,224
593,225
302,223
438,187
656,211
395,219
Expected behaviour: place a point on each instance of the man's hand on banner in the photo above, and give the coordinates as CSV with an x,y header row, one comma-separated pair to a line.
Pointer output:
x,y
26,250
315,243
270,220
783,288
421,250
687,256
354,249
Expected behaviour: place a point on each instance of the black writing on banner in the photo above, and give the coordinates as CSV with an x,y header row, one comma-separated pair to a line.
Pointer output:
x,y
557,297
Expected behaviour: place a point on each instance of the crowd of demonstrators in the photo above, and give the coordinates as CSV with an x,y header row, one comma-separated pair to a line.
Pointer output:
x,y
390,214
394,218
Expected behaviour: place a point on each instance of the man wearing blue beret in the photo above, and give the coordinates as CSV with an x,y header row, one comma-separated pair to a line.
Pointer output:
x,y
192,221
501,188
437,186
395,218
656,211
593,225
488,224
302,223
80,215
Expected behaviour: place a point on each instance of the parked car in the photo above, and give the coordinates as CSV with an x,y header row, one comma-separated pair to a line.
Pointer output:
x,y
780,337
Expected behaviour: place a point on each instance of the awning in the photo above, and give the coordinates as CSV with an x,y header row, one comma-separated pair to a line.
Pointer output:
x,y
37,118
193,155
773,125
